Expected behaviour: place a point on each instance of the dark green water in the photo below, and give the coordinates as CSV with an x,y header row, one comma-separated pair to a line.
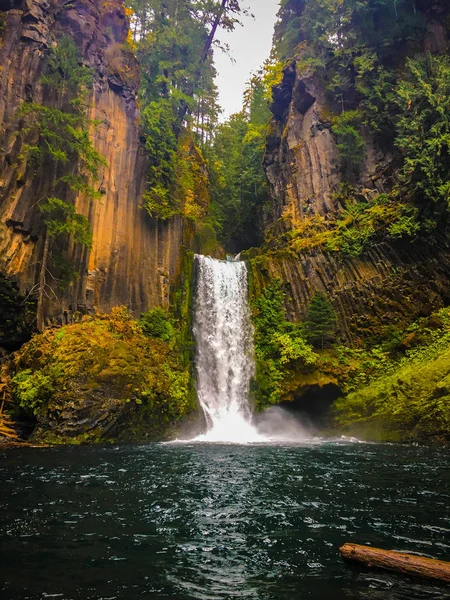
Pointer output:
x,y
210,522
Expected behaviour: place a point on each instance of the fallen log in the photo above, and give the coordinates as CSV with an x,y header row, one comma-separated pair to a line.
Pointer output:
x,y
397,562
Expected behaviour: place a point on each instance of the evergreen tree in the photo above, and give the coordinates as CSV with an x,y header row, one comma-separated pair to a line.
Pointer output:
x,y
320,321
175,42
288,31
238,183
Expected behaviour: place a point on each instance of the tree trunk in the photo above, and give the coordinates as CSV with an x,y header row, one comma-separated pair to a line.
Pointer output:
x,y
212,33
41,289
207,47
398,562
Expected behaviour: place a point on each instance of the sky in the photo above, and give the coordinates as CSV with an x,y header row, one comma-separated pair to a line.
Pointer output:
x,y
250,47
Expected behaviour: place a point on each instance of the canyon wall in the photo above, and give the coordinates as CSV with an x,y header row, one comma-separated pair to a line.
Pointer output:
x,y
387,286
133,259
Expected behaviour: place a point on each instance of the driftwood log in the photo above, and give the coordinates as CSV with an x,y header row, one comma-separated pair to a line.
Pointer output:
x,y
398,562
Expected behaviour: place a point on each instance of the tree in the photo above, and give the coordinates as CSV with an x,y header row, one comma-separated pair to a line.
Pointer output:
x,y
64,146
288,30
423,132
175,42
320,320
239,188
350,143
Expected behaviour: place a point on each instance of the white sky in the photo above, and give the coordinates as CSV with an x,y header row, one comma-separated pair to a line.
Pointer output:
x,y
250,46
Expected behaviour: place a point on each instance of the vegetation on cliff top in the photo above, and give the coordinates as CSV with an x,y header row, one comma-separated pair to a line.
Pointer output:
x,y
174,43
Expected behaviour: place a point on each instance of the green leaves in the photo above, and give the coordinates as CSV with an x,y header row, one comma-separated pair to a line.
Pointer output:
x,y
62,219
423,127
350,142
280,346
32,389
238,183
156,324
162,149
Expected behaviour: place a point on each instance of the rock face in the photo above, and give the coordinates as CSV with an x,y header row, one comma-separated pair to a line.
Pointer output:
x,y
133,258
387,287
302,160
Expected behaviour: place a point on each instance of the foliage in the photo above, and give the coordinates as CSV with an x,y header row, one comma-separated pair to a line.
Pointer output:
x,y
156,324
350,143
174,42
162,150
406,399
239,188
320,323
32,389
423,127
280,346
358,225
272,77
288,29
62,219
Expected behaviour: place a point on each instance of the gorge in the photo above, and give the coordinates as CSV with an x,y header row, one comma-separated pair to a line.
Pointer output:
x,y
346,253
224,343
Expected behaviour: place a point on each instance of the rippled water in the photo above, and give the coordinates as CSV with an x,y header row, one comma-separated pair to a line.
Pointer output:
x,y
211,522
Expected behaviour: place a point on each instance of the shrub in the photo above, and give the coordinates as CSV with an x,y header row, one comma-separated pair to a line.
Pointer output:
x,y
280,346
350,143
156,324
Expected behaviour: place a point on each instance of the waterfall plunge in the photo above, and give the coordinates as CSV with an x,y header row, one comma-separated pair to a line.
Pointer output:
x,y
225,364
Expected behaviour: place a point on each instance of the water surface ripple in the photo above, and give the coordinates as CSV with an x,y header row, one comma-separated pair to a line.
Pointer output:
x,y
207,522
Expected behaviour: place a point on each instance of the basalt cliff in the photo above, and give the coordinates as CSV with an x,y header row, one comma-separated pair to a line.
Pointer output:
x,y
390,283
133,258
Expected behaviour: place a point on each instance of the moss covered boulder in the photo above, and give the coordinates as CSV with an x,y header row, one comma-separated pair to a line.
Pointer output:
x,y
100,380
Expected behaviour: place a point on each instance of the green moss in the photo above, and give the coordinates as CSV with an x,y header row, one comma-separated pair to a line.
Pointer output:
x,y
407,398
89,381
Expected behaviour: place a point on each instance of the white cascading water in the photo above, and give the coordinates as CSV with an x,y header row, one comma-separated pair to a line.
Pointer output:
x,y
224,338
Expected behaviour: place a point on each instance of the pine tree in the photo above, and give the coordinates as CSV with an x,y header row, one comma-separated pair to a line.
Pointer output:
x,y
320,321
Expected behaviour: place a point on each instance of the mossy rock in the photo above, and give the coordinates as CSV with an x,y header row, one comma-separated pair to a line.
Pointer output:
x,y
96,380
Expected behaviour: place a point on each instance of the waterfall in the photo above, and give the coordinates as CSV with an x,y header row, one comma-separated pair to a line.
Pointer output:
x,y
224,338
